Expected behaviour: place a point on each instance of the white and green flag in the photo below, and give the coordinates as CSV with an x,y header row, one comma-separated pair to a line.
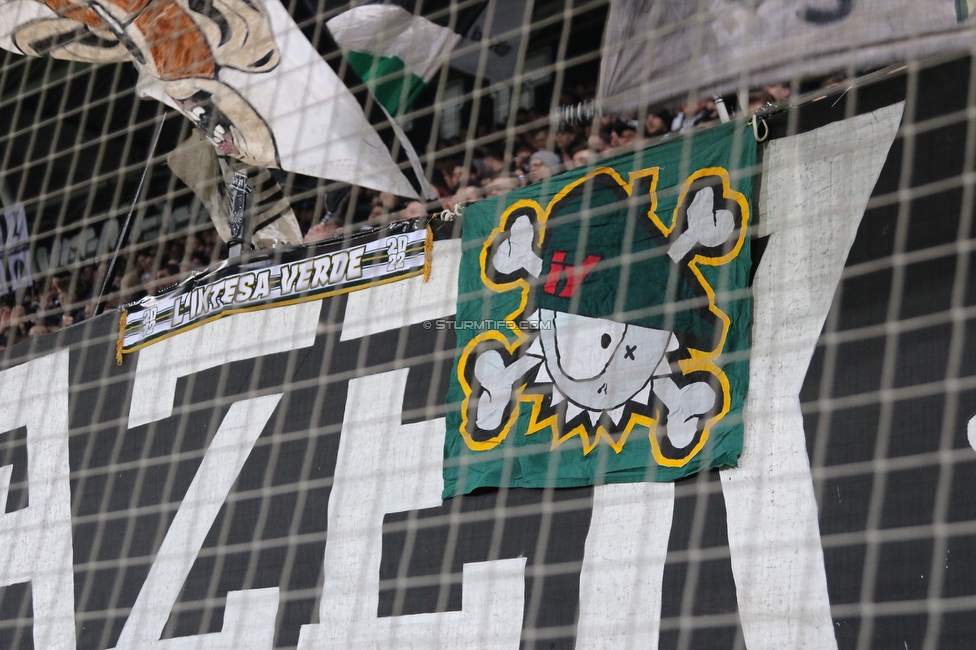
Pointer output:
x,y
392,50
240,70
657,50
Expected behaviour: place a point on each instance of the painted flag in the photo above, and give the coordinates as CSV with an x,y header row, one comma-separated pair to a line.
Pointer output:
x,y
965,9
602,322
662,49
15,259
490,45
483,39
240,70
272,220
392,50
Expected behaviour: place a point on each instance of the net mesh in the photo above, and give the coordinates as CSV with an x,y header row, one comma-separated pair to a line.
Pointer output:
x,y
213,494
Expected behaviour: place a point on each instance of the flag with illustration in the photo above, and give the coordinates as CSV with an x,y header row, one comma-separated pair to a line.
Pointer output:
x,y
603,322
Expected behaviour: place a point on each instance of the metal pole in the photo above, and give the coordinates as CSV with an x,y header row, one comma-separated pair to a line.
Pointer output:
x,y
723,110
127,224
238,222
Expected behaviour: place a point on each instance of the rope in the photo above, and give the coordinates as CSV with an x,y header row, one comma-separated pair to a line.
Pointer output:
x,y
428,254
119,343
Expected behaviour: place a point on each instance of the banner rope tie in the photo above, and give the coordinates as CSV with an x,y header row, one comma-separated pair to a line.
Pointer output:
x,y
428,253
755,121
118,344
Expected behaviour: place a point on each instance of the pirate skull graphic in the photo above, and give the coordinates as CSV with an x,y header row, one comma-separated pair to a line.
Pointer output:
x,y
615,324
183,51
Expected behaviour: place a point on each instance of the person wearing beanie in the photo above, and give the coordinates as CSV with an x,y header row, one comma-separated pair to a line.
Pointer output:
x,y
542,164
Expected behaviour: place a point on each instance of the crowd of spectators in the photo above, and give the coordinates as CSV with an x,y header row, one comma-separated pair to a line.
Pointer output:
x,y
72,296
534,151
464,172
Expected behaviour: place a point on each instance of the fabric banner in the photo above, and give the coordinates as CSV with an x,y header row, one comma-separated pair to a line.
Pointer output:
x,y
211,176
394,51
15,260
664,49
602,322
308,273
494,37
241,71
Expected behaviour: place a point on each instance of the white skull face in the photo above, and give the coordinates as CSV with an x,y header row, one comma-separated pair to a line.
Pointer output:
x,y
599,364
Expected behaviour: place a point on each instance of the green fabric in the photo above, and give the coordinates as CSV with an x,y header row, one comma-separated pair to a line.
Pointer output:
x,y
634,282
606,239
963,9
387,79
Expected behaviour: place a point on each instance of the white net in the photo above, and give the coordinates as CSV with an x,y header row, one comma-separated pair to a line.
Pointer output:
x,y
388,444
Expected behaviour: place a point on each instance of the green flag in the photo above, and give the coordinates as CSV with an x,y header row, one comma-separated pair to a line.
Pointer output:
x,y
392,50
603,322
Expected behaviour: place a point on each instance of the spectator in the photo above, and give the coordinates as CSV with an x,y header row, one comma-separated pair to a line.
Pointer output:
x,y
542,165
144,264
321,231
450,202
622,134
692,114
414,210
52,300
658,123
597,143
758,99
200,260
304,213
165,277
778,92
830,81
194,245
494,160
18,325
582,156
565,144
131,287
86,281
439,185
540,139
384,204
522,155
467,195
4,324
462,176
501,185
99,278
174,249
